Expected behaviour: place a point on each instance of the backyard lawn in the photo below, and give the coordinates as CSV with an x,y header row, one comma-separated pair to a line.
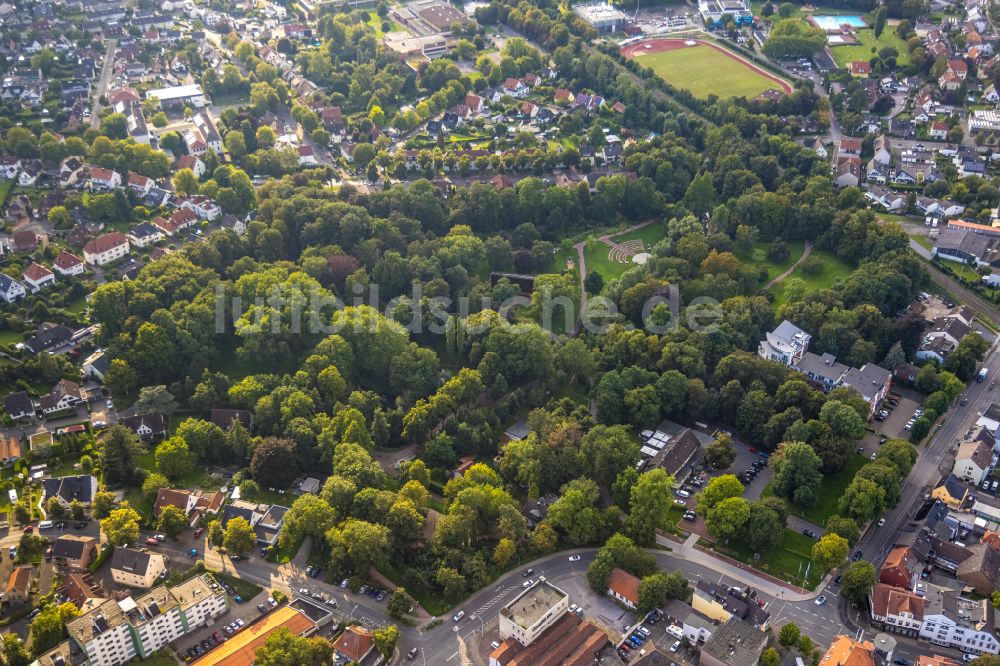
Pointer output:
x,y
863,50
5,188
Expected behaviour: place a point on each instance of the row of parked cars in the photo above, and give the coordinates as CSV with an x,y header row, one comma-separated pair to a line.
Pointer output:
x,y
199,649
638,636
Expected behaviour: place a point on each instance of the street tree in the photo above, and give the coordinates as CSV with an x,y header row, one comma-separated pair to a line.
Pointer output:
x,y
728,518
830,552
239,538
172,521
283,648
386,639
399,603
121,527
863,500
651,492
845,527
856,582
789,635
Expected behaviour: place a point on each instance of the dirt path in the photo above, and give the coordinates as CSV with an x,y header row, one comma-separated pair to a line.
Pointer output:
x,y
791,269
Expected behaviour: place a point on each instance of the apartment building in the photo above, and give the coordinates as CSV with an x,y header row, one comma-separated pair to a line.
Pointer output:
x,y
155,620
200,600
104,635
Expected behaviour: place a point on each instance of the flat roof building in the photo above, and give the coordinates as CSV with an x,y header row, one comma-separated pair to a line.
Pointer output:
x,y
603,18
532,612
177,95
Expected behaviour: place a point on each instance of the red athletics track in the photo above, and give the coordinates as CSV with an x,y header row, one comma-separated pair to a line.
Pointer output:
x,y
660,45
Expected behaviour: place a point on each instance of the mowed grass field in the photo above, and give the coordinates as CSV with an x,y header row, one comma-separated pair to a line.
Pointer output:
x,y
705,71
863,50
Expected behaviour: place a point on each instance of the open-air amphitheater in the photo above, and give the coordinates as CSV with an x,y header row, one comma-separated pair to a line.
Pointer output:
x,y
631,250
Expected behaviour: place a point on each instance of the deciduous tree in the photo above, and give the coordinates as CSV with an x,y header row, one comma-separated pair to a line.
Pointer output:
x,y
121,527
830,552
239,538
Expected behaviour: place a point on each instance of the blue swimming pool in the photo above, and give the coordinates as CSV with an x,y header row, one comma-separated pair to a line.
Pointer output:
x,y
827,22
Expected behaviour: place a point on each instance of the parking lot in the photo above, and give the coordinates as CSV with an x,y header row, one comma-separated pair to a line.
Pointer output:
x,y
246,612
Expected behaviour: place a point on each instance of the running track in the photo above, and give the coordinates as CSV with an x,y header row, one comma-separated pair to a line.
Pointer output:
x,y
660,45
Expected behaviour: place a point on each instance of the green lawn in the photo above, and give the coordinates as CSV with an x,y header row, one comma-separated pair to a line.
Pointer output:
x,y
5,188
831,489
757,5
285,555
759,258
595,254
196,478
924,242
704,71
9,337
834,270
243,588
863,50
650,235
790,563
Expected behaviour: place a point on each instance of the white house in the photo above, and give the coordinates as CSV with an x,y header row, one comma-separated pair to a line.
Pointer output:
x,y
991,419
193,163
144,235
10,289
974,456
785,344
67,263
104,179
106,248
956,622
38,277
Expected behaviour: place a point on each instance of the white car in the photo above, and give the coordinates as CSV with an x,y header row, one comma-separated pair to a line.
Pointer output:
x,y
820,600
528,583
572,608
458,616
574,558
881,522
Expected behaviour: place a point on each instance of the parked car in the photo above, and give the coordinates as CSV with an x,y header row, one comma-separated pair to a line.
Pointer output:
x,y
676,646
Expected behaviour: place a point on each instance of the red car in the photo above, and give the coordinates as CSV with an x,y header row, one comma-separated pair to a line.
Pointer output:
x,y
29,529
152,542
198,532
752,449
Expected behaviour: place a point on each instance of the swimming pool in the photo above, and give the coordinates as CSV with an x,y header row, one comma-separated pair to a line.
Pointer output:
x,y
829,23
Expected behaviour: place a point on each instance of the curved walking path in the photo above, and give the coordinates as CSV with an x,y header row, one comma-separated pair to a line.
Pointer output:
x,y
791,269
582,263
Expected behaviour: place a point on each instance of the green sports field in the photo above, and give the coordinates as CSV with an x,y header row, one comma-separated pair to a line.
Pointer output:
x,y
705,71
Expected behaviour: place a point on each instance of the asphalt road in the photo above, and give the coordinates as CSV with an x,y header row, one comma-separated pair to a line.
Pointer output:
x,y
102,85
877,542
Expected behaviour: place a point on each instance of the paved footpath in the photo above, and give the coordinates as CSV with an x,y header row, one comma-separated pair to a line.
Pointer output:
x,y
690,551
